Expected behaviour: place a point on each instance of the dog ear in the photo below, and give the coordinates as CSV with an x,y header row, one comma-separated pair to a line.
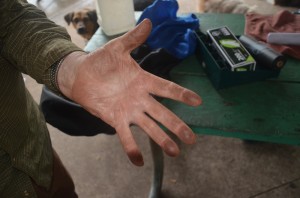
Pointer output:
x,y
93,15
68,17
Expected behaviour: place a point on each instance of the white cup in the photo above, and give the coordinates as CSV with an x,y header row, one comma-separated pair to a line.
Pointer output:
x,y
115,16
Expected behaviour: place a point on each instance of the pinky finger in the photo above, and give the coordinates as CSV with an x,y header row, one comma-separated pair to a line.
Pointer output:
x,y
130,145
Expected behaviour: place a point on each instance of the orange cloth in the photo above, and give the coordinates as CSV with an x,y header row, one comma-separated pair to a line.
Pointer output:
x,y
259,26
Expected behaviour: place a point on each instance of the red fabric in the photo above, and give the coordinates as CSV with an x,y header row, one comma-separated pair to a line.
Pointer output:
x,y
259,26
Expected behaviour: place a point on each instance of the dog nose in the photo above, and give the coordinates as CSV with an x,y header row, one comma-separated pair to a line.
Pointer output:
x,y
81,30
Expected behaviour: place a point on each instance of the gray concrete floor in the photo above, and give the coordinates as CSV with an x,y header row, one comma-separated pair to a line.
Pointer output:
x,y
215,167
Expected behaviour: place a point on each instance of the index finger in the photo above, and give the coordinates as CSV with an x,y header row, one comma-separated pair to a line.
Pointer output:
x,y
137,36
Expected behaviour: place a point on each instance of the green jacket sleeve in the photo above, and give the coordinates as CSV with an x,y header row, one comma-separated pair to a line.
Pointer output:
x,y
30,41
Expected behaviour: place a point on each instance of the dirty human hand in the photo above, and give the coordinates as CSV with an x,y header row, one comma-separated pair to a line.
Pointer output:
x,y
112,86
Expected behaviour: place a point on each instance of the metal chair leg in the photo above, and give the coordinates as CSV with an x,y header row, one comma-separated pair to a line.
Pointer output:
x,y
158,170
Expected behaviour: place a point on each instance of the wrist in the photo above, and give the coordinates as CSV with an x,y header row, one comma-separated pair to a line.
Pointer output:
x,y
67,71
53,73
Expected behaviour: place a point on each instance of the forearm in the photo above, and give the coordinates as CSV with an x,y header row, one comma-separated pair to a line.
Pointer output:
x,y
30,41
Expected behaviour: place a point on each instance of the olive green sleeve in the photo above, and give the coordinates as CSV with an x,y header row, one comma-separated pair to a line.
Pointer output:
x,y
30,41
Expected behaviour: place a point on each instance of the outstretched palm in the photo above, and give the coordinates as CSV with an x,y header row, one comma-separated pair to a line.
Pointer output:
x,y
112,86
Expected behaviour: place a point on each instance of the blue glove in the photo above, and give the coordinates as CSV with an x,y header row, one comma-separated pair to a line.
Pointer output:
x,y
174,34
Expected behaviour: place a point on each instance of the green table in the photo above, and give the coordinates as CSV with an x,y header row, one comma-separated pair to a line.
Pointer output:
x,y
263,111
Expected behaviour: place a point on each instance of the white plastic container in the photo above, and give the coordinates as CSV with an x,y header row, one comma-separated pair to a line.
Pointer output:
x,y
115,16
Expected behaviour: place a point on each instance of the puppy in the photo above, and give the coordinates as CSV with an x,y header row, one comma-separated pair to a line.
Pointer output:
x,y
84,21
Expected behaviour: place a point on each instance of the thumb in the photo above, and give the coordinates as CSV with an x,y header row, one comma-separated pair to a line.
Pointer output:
x,y
137,36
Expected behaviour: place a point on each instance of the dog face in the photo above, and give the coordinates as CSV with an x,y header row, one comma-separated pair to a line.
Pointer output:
x,y
84,21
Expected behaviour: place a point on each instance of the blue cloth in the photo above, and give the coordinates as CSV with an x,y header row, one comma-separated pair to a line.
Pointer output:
x,y
174,34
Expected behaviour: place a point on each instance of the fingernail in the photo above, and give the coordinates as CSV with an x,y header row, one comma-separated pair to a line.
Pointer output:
x,y
136,158
138,161
195,100
171,149
188,137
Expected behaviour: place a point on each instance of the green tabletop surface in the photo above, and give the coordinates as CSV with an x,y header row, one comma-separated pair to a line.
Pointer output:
x,y
267,110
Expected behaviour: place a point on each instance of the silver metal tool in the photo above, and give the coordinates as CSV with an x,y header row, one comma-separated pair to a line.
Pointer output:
x,y
284,38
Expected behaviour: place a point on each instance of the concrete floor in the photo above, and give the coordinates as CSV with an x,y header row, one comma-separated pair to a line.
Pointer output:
x,y
215,167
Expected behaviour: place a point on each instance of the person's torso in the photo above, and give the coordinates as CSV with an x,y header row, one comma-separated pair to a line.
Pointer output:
x,y
23,131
